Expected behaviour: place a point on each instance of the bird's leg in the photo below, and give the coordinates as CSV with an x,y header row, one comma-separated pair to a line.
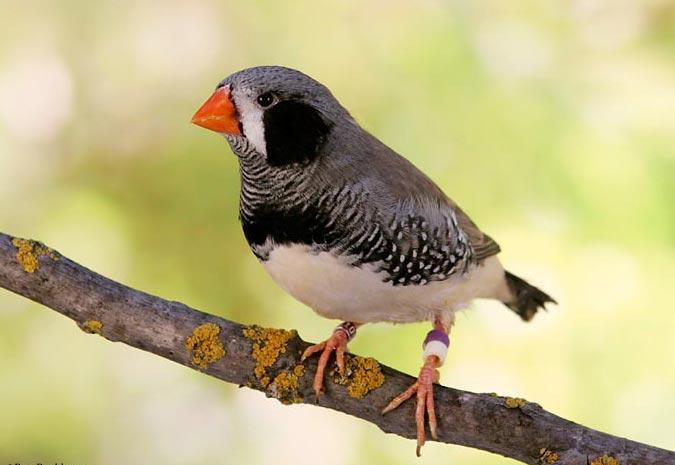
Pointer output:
x,y
435,350
343,333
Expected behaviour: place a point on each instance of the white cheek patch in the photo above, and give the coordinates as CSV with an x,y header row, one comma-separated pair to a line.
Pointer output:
x,y
250,116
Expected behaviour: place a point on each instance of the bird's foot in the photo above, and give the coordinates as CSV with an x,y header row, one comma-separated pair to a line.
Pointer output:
x,y
424,389
435,350
338,343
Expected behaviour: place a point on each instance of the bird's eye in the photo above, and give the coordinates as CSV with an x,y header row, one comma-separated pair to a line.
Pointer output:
x,y
266,99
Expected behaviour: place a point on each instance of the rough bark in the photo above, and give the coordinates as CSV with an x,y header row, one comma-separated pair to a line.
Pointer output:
x,y
239,354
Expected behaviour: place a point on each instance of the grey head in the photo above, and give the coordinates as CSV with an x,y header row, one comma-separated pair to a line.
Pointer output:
x,y
285,119
284,115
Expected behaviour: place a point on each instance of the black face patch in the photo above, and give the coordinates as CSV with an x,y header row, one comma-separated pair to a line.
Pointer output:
x,y
294,133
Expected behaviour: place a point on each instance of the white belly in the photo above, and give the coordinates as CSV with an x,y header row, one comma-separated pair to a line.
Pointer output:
x,y
335,289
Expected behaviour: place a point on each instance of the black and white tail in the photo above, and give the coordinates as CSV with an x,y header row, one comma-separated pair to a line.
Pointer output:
x,y
526,299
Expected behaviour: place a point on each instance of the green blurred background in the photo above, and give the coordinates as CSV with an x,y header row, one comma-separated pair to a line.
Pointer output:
x,y
551,123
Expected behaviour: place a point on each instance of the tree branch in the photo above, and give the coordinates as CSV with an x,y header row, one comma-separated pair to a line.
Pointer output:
x,y
269,360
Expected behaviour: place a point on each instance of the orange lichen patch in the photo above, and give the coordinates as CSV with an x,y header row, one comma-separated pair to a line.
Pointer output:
x,y
362,375
285,385
92,327
605,460
28,253
204,345
268,344
514,402
548,456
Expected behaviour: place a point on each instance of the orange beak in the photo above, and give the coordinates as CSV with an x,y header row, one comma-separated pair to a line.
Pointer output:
x,y
218,113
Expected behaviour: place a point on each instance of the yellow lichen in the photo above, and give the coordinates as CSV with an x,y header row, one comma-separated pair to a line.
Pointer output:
x,y
605,460
204,345
268,344
548,456
92,326
285,385
362,375
514,402
29,252
299,370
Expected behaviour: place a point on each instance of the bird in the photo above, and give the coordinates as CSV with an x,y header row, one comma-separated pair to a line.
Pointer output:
x,y
349,227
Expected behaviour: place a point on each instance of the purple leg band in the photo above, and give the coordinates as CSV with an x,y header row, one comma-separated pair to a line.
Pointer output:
x,y
348,328
436,335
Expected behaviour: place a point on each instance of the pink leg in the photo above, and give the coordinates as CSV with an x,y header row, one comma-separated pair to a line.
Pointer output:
x,y
338,343
424,390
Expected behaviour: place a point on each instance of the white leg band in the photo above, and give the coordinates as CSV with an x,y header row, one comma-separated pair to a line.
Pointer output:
x,y
436,348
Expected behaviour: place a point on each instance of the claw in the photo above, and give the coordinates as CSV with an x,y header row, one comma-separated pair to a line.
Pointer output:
x,y
419,419
423,388
338,343
312,350
431,411
321,367
340,358
399,399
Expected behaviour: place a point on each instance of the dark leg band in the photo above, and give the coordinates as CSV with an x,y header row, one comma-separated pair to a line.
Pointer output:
x,y
348,328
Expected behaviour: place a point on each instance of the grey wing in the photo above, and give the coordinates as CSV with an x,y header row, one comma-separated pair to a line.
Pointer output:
x,y
483,245
426,198
415,231
432,241
415,194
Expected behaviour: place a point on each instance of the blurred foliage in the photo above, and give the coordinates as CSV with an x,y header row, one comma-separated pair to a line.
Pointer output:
x,y
551,123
